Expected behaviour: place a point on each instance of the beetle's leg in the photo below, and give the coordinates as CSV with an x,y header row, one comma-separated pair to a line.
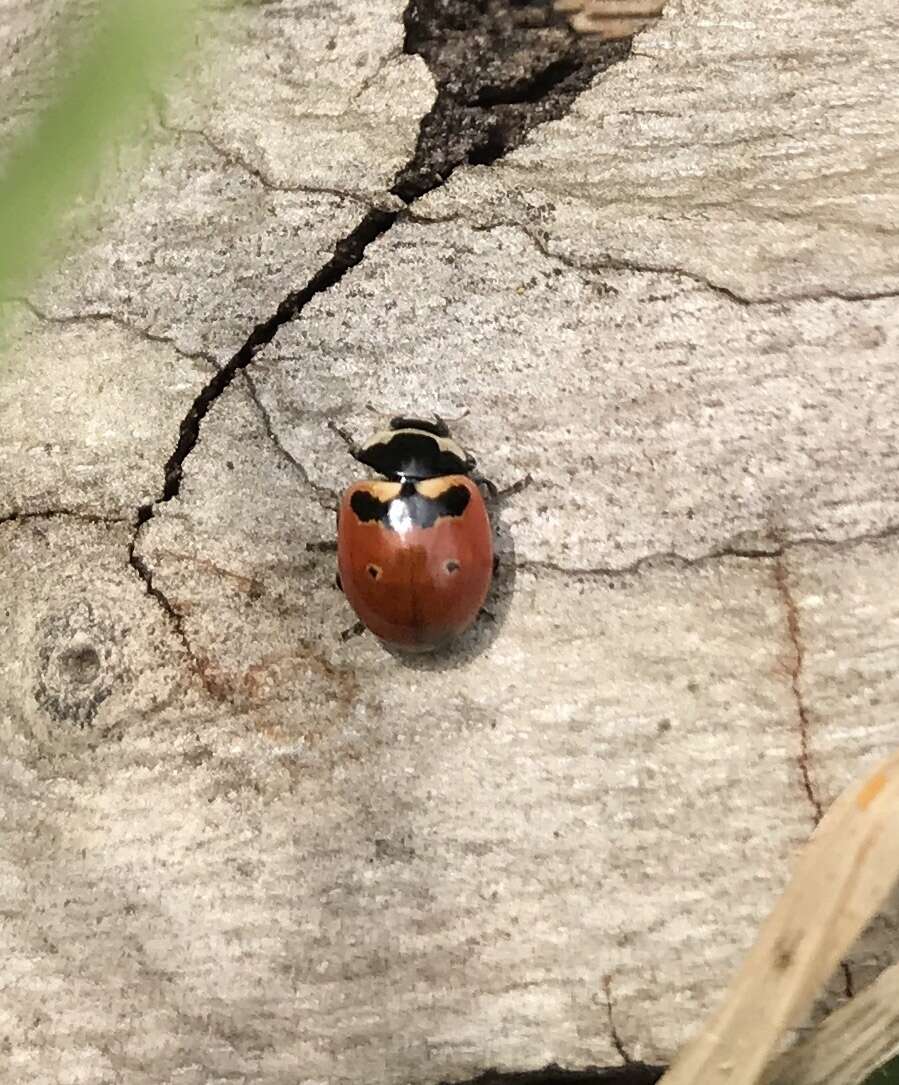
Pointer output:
x,y
488,615
354,450
515,488
355,630
327,546
488,484
493,491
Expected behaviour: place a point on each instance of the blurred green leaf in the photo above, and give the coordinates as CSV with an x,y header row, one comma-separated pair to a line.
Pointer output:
x,y
886,1075
106,84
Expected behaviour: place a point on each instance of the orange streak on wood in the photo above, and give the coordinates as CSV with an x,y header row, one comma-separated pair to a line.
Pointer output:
x,y
871,790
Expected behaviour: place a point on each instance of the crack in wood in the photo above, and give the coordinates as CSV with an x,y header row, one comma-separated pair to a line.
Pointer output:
x,y
617,1042
607,262
325,496
22,515
110,318
232,158
172,614
794,633
632,1073
727,550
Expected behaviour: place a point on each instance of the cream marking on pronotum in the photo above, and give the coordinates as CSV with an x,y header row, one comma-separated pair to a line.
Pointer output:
x,y
444,444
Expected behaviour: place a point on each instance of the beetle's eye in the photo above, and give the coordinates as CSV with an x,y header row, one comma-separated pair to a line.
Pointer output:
x,y
452,566
374,571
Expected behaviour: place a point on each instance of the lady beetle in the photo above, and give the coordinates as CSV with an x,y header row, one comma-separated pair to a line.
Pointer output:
x,y
415,550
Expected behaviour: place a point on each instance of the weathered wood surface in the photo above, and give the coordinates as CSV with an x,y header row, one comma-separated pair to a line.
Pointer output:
x,y
234,846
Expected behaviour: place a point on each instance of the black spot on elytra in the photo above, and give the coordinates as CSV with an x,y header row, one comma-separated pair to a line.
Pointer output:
x,y
367,507
420,511
452,566
373,571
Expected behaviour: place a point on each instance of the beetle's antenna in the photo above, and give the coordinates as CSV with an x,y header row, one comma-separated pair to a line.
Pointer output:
x,y
452,421
515,488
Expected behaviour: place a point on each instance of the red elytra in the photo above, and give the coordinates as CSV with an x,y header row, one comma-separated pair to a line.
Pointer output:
x,y
415,552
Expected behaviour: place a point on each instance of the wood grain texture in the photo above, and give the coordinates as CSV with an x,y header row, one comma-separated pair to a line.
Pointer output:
x,y
234,846
748,145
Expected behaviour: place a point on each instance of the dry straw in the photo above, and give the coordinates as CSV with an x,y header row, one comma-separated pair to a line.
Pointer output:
x,y
842,878
610,19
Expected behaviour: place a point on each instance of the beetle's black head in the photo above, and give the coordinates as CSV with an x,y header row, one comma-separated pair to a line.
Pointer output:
x,y
438,427
414,449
